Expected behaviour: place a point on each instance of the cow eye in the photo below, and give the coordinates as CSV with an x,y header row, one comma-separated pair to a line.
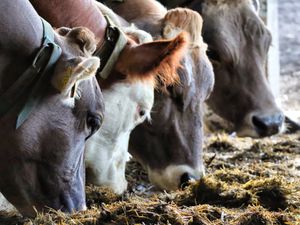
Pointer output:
x,y
177,96
213,55
142,112
94,122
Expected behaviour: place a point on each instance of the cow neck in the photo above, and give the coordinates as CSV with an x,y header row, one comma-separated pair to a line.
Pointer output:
x,y
34,80
109,51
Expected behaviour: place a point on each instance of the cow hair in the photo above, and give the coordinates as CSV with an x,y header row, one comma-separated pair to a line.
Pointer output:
x,y
169,61
167,72
187,20
83,37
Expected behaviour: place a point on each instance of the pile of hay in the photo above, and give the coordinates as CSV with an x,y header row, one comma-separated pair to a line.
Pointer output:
x,y
248,182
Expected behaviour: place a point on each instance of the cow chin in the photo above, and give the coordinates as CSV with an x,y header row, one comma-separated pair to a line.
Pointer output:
x,y
249,131
170,178
118,187
105,164
114,180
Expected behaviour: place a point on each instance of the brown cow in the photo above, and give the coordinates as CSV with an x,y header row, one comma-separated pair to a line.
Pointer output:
x,y
128,90
170,146
238,43
42,160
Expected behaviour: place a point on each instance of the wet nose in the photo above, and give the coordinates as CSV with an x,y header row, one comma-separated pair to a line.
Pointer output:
x,y
268,125
185,179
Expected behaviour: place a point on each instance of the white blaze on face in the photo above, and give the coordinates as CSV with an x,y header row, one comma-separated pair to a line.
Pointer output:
x,y
169,178
107,150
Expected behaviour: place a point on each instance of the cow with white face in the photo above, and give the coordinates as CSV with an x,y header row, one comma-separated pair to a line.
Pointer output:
x,y
127,106
170,146
128,102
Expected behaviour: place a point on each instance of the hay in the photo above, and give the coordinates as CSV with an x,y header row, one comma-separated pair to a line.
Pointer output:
x,y
248,182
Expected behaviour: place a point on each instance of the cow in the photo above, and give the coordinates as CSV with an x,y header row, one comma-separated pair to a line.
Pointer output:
x,y
170,146
238,43
50,104
128,89
127,104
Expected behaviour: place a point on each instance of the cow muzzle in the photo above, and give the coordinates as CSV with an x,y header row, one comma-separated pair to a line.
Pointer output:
x,y
268,125
175,176
258,125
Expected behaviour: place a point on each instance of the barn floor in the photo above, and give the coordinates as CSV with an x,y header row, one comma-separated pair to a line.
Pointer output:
x,y
248,182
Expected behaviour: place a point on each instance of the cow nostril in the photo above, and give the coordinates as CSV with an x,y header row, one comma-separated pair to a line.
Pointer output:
x,y
268,125
259,123
185,180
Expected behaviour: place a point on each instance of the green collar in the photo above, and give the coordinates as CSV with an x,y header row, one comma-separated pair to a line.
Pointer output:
x,y
109,52
26,93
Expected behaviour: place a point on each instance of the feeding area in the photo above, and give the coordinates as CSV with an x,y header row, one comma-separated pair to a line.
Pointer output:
x,y
153,112
247,182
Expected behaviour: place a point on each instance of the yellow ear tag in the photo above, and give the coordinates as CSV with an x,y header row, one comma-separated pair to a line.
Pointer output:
x,y
65,79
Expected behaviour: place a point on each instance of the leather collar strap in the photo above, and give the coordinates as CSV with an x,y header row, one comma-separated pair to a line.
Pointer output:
x,y
26,93
109,52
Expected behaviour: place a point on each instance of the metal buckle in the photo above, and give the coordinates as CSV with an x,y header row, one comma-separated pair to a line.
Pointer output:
x,y
38,57
110,34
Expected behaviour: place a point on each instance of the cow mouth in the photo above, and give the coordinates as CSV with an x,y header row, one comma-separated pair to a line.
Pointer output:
x,y
174,177
71,204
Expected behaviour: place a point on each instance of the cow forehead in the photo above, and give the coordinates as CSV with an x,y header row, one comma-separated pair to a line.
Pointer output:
x,y
121,102
142,93
243,22
225,17
139,92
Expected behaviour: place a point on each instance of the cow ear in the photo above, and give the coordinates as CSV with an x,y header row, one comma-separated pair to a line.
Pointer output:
x,y
158,59
80,36
70,73
183,19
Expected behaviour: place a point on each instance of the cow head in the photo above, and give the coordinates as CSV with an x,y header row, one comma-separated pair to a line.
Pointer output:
x,y
129,94
42,161
170,145
238,46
